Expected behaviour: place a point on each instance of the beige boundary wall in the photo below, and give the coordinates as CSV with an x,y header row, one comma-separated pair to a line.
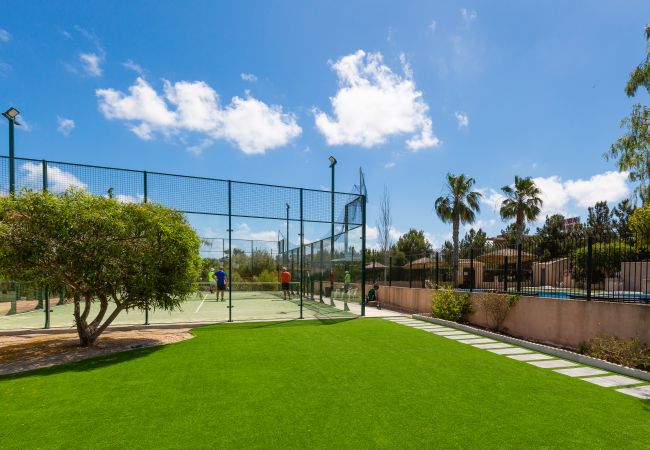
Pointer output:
x,y
560,322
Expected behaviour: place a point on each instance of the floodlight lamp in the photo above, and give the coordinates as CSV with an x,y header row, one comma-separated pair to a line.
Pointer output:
x,y
11,113
332,160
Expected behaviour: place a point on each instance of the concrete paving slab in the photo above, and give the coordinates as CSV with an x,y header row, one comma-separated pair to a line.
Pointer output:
x,y
612,381
553,364
531,357
581,372
458,336
509,351
489,346
451,333
642,392
478,340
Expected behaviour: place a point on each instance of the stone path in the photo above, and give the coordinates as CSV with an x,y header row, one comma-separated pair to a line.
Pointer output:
x,y
622,384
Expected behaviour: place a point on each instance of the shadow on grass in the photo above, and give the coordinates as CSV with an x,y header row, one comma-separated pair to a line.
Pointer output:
x,y
86,365
274,324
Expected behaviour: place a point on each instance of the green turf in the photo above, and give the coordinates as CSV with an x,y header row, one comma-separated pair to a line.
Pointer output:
x,y
358,383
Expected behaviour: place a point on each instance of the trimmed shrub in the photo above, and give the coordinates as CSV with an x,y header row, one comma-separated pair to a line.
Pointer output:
x,y
449,305
496,307
626,352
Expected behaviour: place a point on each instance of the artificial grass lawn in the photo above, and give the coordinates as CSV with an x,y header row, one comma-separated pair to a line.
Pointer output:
x,y
355,384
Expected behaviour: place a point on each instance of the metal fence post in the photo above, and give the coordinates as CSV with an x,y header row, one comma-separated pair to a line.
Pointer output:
x,y
471,269
47,307
45,182
437,269
363,255
589,265
518,268
311,271
39,298
410,272
145,198
320,281
61,298
505,274
390,270
302,253
230,250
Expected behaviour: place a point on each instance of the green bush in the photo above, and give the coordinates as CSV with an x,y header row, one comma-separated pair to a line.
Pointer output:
x,y
449,305
626,352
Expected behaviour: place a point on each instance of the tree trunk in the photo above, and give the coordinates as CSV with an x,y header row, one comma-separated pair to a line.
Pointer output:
x,y
456,225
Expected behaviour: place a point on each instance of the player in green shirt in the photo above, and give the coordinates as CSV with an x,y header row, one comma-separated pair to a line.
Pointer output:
x,y
346,281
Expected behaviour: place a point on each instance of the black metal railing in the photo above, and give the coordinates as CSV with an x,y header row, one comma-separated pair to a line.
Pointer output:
x,y
585,267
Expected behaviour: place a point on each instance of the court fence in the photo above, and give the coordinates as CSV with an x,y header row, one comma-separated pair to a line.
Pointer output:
x,y
201,196
589,267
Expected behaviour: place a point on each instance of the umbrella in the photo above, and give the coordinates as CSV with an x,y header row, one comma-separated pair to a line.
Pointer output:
x,y
420,263
499,256
376,265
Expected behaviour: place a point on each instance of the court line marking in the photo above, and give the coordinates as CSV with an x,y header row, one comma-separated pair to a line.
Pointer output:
x,y
201,304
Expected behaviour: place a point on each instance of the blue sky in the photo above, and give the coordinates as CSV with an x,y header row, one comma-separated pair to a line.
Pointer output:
x,y
265,91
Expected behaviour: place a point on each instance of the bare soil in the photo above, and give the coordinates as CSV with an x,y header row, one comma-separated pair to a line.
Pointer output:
x,y
19,353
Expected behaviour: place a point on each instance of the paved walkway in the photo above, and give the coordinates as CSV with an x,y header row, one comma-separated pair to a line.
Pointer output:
x,y
623,384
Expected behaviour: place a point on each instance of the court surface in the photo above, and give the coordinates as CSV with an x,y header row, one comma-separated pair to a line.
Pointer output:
x,y
202,307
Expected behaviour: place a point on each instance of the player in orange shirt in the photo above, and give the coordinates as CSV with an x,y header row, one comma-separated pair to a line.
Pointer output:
x,y
285,279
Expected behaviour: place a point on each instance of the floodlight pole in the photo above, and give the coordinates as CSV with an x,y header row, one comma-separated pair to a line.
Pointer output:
x,y
11,115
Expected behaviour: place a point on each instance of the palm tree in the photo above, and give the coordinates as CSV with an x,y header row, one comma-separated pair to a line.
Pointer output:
x,y
459,205
522,203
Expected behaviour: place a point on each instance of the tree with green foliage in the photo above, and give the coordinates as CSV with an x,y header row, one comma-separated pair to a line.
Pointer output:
x,y
522,203
606,258
413,243
599,221
509,233
97,250
458,206
640,228
475,241
621,218
632,150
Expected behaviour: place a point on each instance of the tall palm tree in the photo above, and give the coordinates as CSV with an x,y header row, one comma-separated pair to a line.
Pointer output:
x,y
459,205
522,203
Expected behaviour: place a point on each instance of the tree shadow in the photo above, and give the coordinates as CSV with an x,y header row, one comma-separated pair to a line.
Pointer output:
x,y
137,348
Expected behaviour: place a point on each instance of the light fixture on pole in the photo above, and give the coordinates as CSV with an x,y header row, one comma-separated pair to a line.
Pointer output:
x,y
11,115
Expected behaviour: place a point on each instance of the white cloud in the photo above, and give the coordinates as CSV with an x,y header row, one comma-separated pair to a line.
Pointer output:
x,y
557,194
462,119
553,195
65,126
250,124
390,165
373,103
243,231
58,180
129,64
432,26
468,15
249,77
372,233
609,186
5,36
92,63
198,148
123,198
492,198
395,234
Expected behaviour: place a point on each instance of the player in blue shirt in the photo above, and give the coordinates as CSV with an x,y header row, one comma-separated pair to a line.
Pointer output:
x,y
222,279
